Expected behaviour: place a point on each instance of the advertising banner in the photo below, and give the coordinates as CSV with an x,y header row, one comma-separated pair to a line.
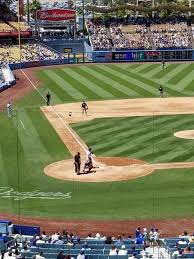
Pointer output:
x,y
56,15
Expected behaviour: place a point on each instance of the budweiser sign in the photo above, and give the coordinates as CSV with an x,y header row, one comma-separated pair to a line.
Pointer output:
x,y
56,15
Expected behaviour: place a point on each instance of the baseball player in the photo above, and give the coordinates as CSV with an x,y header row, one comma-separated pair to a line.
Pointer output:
x,y
88,165
89,153
161,91
9,109
77,163
48,99
84,107
163,64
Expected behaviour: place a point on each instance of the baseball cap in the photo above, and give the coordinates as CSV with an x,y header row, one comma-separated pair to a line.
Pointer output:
x,y
123,246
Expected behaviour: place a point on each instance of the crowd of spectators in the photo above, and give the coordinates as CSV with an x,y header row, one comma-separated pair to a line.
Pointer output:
x,y
117,245
170,35
138,33
13,26
116,36
134,246
29,52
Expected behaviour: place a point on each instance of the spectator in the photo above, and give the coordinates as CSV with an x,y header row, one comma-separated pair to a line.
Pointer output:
x,y
25,249
81,255
184,235
187,250
139,239
122,251
137,232
108,240
59,241
40,256
119,241
89,236
61,255
182,241
55,236
113,250
40,240
177,252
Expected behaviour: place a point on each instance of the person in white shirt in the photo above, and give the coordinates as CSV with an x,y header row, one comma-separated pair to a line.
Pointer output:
x,y
182,241
122,251
177,252
89,236
40,256
97,236
156,235
55,236
113,251
9,255
40,240
81,255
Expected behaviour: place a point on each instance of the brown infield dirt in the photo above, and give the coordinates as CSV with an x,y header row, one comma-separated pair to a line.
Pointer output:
x,y
60,120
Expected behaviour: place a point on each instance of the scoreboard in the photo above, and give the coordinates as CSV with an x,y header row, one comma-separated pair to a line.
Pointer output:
x,y
152,55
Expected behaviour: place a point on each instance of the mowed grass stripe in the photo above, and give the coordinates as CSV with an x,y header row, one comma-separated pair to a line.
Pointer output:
x,y
12,150
3,176
147,137
127,82
141,68
103,126
75,82
112,83
151,86
45,131
190,87
185,81
54,98
172,155
64,85
50,85
130,77
173,73
102,88
31,141
83,78
131,136
181,74
150,73
165,71
147,69
121,131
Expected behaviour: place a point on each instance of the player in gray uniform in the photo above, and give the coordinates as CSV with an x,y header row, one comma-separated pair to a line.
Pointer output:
x,y
161,91
9,109
84,107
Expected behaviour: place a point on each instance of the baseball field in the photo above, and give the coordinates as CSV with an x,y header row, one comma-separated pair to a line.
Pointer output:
x,y
142,144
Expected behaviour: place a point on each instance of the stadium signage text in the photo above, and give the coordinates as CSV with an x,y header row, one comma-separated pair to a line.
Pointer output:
x,y
56,15
6,192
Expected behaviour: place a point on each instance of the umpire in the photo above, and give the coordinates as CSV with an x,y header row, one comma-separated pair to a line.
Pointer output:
x,y
77,163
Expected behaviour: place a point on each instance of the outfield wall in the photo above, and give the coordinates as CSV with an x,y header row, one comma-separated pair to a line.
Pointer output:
x,y
113,56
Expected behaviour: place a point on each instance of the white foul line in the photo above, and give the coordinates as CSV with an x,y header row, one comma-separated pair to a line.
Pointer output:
x,y
22,124
61,119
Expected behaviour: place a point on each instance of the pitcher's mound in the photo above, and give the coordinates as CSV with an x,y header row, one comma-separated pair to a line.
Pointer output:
x,y
188,134
107,169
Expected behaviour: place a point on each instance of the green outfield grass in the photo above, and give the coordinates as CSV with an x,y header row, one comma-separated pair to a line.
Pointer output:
x,y
24,152
150,138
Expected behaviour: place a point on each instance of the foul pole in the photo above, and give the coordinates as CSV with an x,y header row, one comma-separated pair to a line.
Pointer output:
x,y
19,32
